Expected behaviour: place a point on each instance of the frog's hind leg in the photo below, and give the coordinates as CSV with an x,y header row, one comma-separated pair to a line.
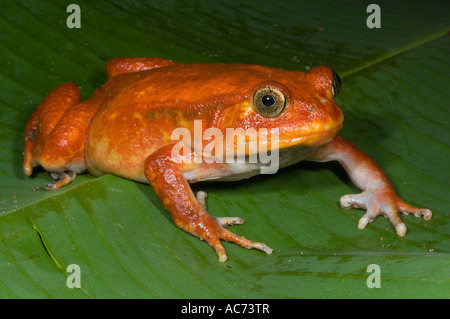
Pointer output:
x,y
54,136
44,119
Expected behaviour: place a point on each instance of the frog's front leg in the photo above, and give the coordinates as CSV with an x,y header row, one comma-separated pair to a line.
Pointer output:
x,y
166,177
378,196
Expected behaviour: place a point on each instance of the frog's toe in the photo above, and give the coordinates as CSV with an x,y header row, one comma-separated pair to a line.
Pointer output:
x,y
249,244
220,251
200,196
370,216
230,237
227,221
367,218
425,213
61,179
400,229
353,201
395,219
406,209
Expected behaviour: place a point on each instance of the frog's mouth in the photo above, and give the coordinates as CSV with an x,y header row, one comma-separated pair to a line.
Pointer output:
x,y
310,140
264,141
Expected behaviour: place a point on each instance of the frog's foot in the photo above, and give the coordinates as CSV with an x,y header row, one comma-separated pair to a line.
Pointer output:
x,y
223,221
61,179
207,228
217,231
229,236
383,202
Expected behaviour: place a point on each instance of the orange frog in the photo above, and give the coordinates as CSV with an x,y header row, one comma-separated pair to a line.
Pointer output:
x,y
126,128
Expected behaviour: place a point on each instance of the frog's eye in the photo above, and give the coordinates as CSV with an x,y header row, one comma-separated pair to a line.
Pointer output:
x,y
336,84
269,102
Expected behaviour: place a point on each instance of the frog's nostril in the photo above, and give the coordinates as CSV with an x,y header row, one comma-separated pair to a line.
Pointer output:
x,y
312,108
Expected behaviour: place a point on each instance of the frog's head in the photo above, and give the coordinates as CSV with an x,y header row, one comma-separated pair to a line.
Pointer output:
x,y
299,105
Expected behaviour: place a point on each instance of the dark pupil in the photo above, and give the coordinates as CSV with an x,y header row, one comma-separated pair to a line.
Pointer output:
x,y
268,100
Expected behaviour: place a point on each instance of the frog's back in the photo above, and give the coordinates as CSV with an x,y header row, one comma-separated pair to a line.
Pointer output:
x,y
184,85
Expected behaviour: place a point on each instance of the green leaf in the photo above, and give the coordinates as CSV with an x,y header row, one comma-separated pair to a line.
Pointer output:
x,y
395,99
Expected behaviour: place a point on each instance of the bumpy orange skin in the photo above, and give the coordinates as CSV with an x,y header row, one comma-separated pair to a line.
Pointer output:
x,y
141,109
126,127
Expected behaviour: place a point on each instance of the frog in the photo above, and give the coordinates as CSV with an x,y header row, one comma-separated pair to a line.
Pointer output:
x,y
126,129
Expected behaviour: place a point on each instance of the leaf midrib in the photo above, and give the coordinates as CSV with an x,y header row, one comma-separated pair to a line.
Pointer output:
x,y
394,53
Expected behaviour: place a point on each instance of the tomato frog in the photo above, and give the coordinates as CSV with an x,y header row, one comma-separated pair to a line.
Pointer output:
x,y
126,128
